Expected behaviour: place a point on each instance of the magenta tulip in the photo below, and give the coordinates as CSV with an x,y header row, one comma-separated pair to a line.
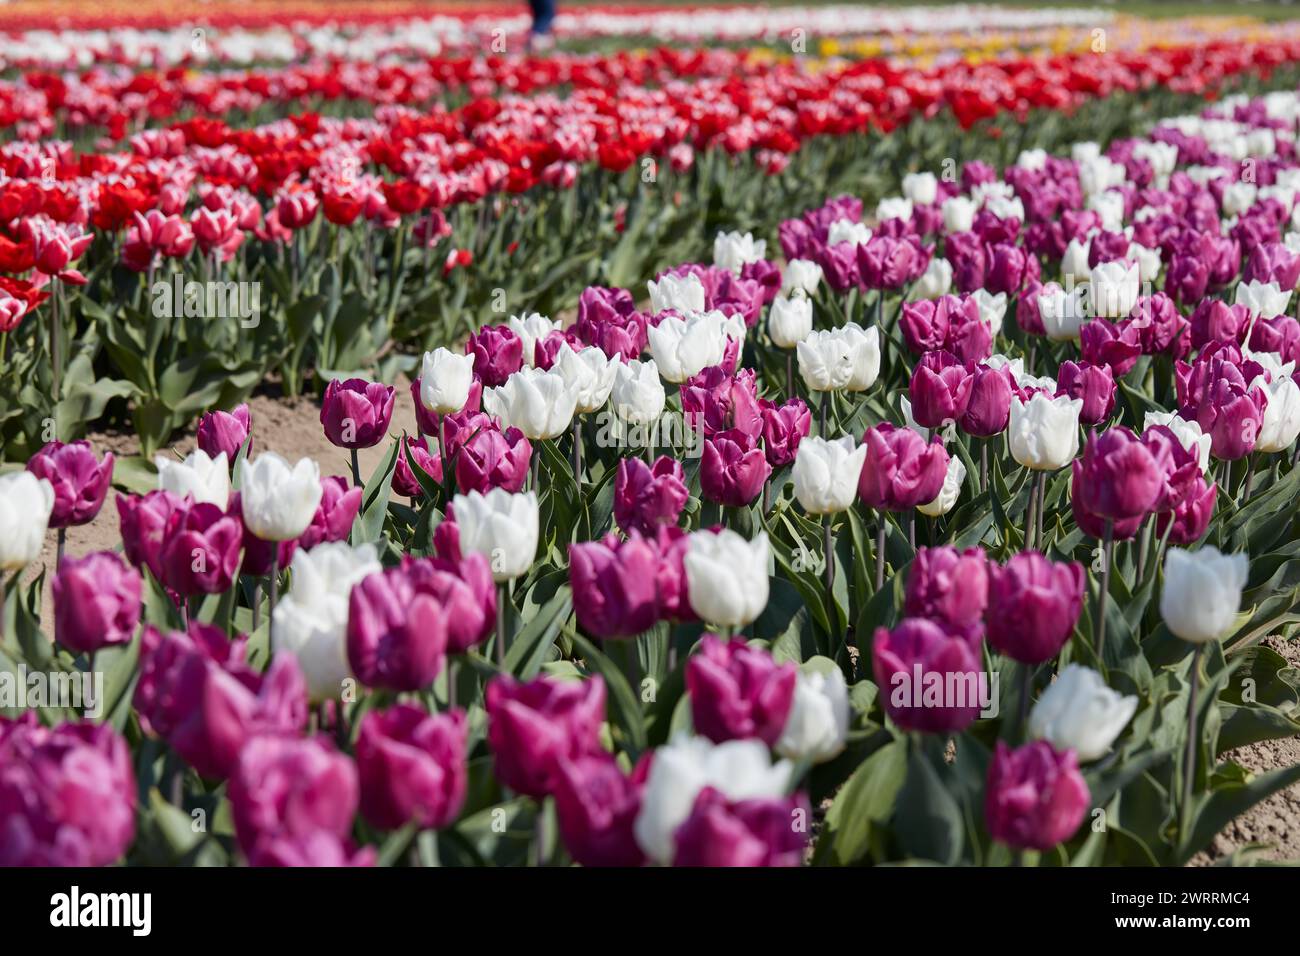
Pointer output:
x,y
647,496
397,631
916,665
749,833
80,481
613,582
1033,606
225,431
596,805
902,470
738,691
1035,797
356,413
412,767
533,726
96,602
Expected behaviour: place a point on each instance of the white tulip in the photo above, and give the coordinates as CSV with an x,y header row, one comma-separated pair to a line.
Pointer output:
x,y
531,329
1281,422
1148,261
935,281
589,373
1238,197
726,576
1079,712
445,380
789,320
801,274
1109,205
735,250
1114,289
684,347
1084,152
846,230
539,403
905,404
1263,300
818,726
825,361
278,501
739,769
1189,434
993,309
1074,262
679,293
958,214
1044,434
826,473
311,621
893,207
864,347
1063,313
202,479
500,526
638,393
25,505
1006,207
921,188
1202,592
949,493
1032,159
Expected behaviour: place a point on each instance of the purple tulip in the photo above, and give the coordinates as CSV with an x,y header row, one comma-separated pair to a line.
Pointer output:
x,y
80,481
721,832
924,324
405,482
1187,278
733,469
1116,345
670,578
950,586
293,801
397,631
965,251
1280,334
1008,268
96,602
902,470
613,581
969,337
1091,523
143,520
200,549
885,263
356,413
647,496
1191,515
498,353
338,508
840,266
317,848
491,459
1216,321
1033,606
1119,477
197,692
717,401
940,389
1036,797
607,319
596,805
1231,414
915,658
1273,262
784,426
225,431
534,726
1160,326
412,767
465,589
989,409
1180,469
738,691
1094,384
67,793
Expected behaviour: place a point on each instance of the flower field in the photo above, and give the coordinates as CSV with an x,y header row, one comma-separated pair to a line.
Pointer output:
x,y
824,435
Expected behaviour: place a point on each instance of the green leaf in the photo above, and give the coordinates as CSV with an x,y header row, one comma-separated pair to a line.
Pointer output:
x,y
862,806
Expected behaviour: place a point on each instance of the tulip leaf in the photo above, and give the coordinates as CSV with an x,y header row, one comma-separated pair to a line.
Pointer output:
x,y
927,820
369,523
861,807
1230,801
625,703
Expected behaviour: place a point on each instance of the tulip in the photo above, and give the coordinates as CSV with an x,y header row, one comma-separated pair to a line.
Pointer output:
x,y
533,727
79,481
683,348
1044,432
789,321
143,519
1263,300
847,358
683,768
295,792
396,631
737,691
727,577
671,583
801,274
540,404
958,214
1079,712
356,413
334,515
1035,797
1093,524
279,502
918,658
901,470
826,474
925,324
1093,384
680,293
491,458
784,428
197,692
225,432
589,374
202,479
68,793
1189,434
648,496
613,582
953,481
445,381
596,805
465,588
638,394
935,281
1190,517
532,328
717,401
733,469
1033,606
311,621
96,602
818,726
1202,592
1232,416
412,767
989,407
748,833
1062,313
949,586
1114,289
1281,422
1116,345
498,353
200,550
1119,477
940,389
26,503
501,526
405,481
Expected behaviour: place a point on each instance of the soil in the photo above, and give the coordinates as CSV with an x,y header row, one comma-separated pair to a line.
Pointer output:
x,y
292,428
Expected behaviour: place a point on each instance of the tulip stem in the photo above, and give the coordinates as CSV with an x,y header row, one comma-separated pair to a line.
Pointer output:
x,y
56,346
451,682
1107,553
577,451
257,605
880,553
1038,513
540,834
1026,688
1029,513
1189,763
356,469
821,427
1249,480
789,374
63,540
502,605
1144,545
984,465
275,578
828,548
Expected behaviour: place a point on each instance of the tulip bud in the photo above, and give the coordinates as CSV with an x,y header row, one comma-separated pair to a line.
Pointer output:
x,y
818,726
613,582
727,576
732,469
356,413
596,805
445,380
1033,606
916,658
737,691
96,602
638,394
540,404
1119,477
1044,432
412,767
647,496
225,432
498,353
501,526
79,481
948,585
397,632
202,479
534,726
826,474
589,374
26,503
789,321
901,469
1202,592
278,502
1079,712
1035,797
